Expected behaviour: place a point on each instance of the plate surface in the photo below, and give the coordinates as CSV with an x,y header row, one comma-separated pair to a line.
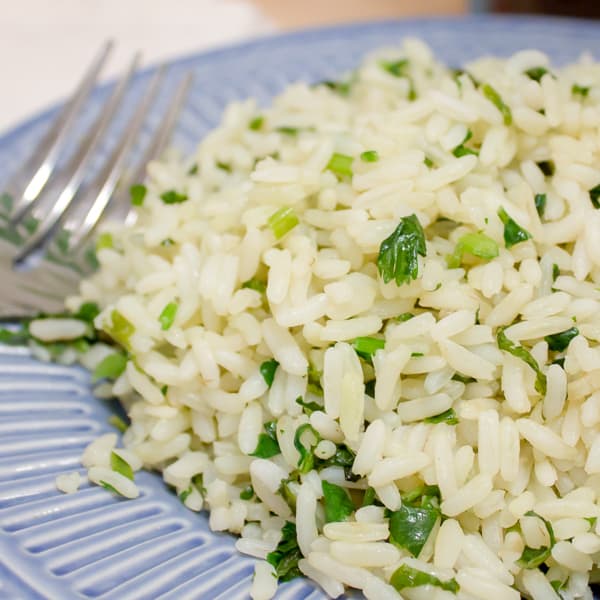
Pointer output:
x,y
91,545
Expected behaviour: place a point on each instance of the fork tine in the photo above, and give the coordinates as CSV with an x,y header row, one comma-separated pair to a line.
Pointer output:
x,y
102,189
84,155
43,161
160,139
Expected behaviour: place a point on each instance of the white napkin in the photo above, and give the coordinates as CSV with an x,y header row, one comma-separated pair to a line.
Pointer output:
x,y
45,45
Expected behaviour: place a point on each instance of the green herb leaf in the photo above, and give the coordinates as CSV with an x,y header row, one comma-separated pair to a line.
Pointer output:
x,y
555,271
308,407
462,378
193,170
336,502
595,196
256,285
428,162
121,329
118,423
120,466
560,341
288,130
448,416
411,525
267,442
476,244
397,257
173,197
504,343
87,312
111,366
494,97
558,585
513,233
580,90
282,221
167,316
340,164
223,166
104,240
342,88
285,557
536,73
370,497
307,458
247,493
14,338
286,492
198,483
343,457
183,496
407,577
369,156
109,487
404,317
547,167
138,193
540,204
464,151
367,346
397,68
267,370
256,123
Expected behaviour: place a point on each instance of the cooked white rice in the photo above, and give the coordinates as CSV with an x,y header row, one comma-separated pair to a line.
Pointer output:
x,y
455,151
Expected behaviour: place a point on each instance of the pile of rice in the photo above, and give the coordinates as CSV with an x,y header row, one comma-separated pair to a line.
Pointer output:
x,y
454,453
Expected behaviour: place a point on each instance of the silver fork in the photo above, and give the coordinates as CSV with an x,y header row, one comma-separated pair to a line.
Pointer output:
x,y
51,212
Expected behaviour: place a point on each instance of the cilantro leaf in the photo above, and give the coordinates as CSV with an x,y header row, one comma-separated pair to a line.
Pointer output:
x,y
595,196
536,73
285,557
267,370
267,442
410,526
308,407
449,417
138,193
504,343
336,502
540,204
408,577
307,458
173,197
397,257
560,341
513,233
365,347
120,466
580,90
369,156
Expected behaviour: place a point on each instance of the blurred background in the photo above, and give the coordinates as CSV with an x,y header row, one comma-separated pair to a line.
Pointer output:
x,y
44,45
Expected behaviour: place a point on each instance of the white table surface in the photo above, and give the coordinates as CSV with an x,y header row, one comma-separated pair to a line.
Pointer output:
x,y
45,45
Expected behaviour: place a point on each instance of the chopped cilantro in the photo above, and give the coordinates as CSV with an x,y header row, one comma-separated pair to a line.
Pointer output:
x,y
532,558
308,407
540,204
408,577
560,341
173,197
256,123
255,284
547,167
369,156
595,196
448,416
305,447
536,73
476,244
267,370
397,68
138,193
580,90
336,502
267,442
284,559
513,233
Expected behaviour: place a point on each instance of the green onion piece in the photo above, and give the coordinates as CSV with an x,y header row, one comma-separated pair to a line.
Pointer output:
x,y
173,197
408,577
504,343
595,196
540,204
104,240
369,156
558,585
513,233
343,457
476,244
120,466
256,123
536,73
167,316
118,423
314,380
284,559
464,151
340,164
255,284
547,167
308,407
282,221
111,366
267,370
138,193
247,493
560,341
580,90
367,346
336,502
307,458
397,68
121,329
267,442
397,257
448,416
494,97
462,378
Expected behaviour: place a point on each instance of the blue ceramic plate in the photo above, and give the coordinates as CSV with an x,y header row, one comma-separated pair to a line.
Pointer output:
x,y
91,545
